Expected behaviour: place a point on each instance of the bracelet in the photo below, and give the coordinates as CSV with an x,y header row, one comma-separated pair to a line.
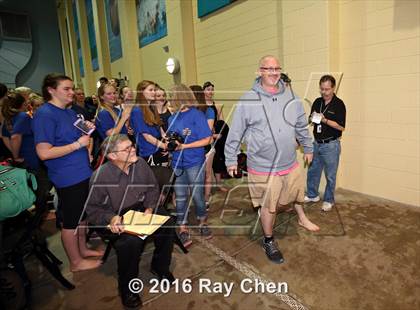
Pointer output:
x,y
80,144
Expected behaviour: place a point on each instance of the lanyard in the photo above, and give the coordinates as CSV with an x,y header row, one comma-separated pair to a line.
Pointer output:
x,y
326,107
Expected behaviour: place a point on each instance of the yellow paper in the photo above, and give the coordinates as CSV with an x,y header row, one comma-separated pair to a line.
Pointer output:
x,y
138,223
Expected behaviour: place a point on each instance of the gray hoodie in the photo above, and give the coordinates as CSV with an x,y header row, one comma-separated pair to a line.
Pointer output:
x,y
269,124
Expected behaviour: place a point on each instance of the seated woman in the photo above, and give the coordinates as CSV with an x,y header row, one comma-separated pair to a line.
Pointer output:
x,y
146,123
111,120
189,158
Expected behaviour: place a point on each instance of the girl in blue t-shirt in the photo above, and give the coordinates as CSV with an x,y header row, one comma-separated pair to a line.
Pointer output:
x,y
17,132
62,147
18,135
110,119
218,145
188,158
211,117
146,123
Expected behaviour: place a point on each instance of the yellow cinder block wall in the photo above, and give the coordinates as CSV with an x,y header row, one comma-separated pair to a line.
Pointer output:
x,y
373,44
379,55
229,43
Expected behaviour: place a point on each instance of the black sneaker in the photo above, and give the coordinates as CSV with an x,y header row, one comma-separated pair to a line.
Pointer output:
x,y
131,301
205,232
272,251
166,275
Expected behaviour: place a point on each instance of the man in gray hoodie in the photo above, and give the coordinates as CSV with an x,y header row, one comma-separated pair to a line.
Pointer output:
x,y
269,119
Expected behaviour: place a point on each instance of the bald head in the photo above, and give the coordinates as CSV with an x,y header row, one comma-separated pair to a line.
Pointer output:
x,y
269,70
267,58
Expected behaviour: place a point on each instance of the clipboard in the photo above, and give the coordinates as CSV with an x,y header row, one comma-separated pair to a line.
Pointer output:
x,y
141,224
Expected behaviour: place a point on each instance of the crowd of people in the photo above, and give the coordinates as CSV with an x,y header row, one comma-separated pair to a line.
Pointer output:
x,y
84,146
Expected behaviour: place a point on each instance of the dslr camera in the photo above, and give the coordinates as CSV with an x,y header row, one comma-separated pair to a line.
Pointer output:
x,y
172,138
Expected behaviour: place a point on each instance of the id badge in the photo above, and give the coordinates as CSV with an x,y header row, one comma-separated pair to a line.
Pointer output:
x,y
319,129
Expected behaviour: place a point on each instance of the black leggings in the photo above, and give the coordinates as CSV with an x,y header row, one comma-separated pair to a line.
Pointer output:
x,y
71,202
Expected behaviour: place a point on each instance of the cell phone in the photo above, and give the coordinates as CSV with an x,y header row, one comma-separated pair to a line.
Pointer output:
x,y
82,126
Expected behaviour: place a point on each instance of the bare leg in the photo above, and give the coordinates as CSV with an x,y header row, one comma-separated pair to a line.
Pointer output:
x,y
173,199
183,228
209,175
71,246
303,220
219,182
267,221
84,250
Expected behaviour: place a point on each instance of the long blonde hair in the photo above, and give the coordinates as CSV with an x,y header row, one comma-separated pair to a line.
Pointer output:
x,y
181,96
33,99
102,104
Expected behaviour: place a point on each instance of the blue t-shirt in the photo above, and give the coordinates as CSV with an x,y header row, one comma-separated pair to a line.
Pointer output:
x,y
210,113
104,122
22,124
140,127
192,126
54,125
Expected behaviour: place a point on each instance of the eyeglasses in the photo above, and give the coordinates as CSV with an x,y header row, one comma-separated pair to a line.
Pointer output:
x,y
270,69
127,149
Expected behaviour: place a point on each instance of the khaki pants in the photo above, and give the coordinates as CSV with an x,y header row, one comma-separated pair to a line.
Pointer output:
x,y
270,191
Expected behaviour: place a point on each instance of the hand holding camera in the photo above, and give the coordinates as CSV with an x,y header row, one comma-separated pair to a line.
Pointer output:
x,y
174,141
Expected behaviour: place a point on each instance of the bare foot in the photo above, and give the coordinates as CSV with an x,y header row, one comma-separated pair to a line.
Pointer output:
x,y
49,216
307,224
85,264
92,253
222,189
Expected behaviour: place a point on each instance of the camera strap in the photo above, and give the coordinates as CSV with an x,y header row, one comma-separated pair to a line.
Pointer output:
x,y
151,161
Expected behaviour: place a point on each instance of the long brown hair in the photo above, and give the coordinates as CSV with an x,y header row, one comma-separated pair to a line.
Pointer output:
x,y
12,104
102,104
150,114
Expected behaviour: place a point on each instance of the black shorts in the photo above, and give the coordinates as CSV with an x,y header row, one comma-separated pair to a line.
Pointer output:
x,y
71,201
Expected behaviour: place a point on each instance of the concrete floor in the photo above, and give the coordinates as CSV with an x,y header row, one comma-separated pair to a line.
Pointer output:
x,y
366,256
